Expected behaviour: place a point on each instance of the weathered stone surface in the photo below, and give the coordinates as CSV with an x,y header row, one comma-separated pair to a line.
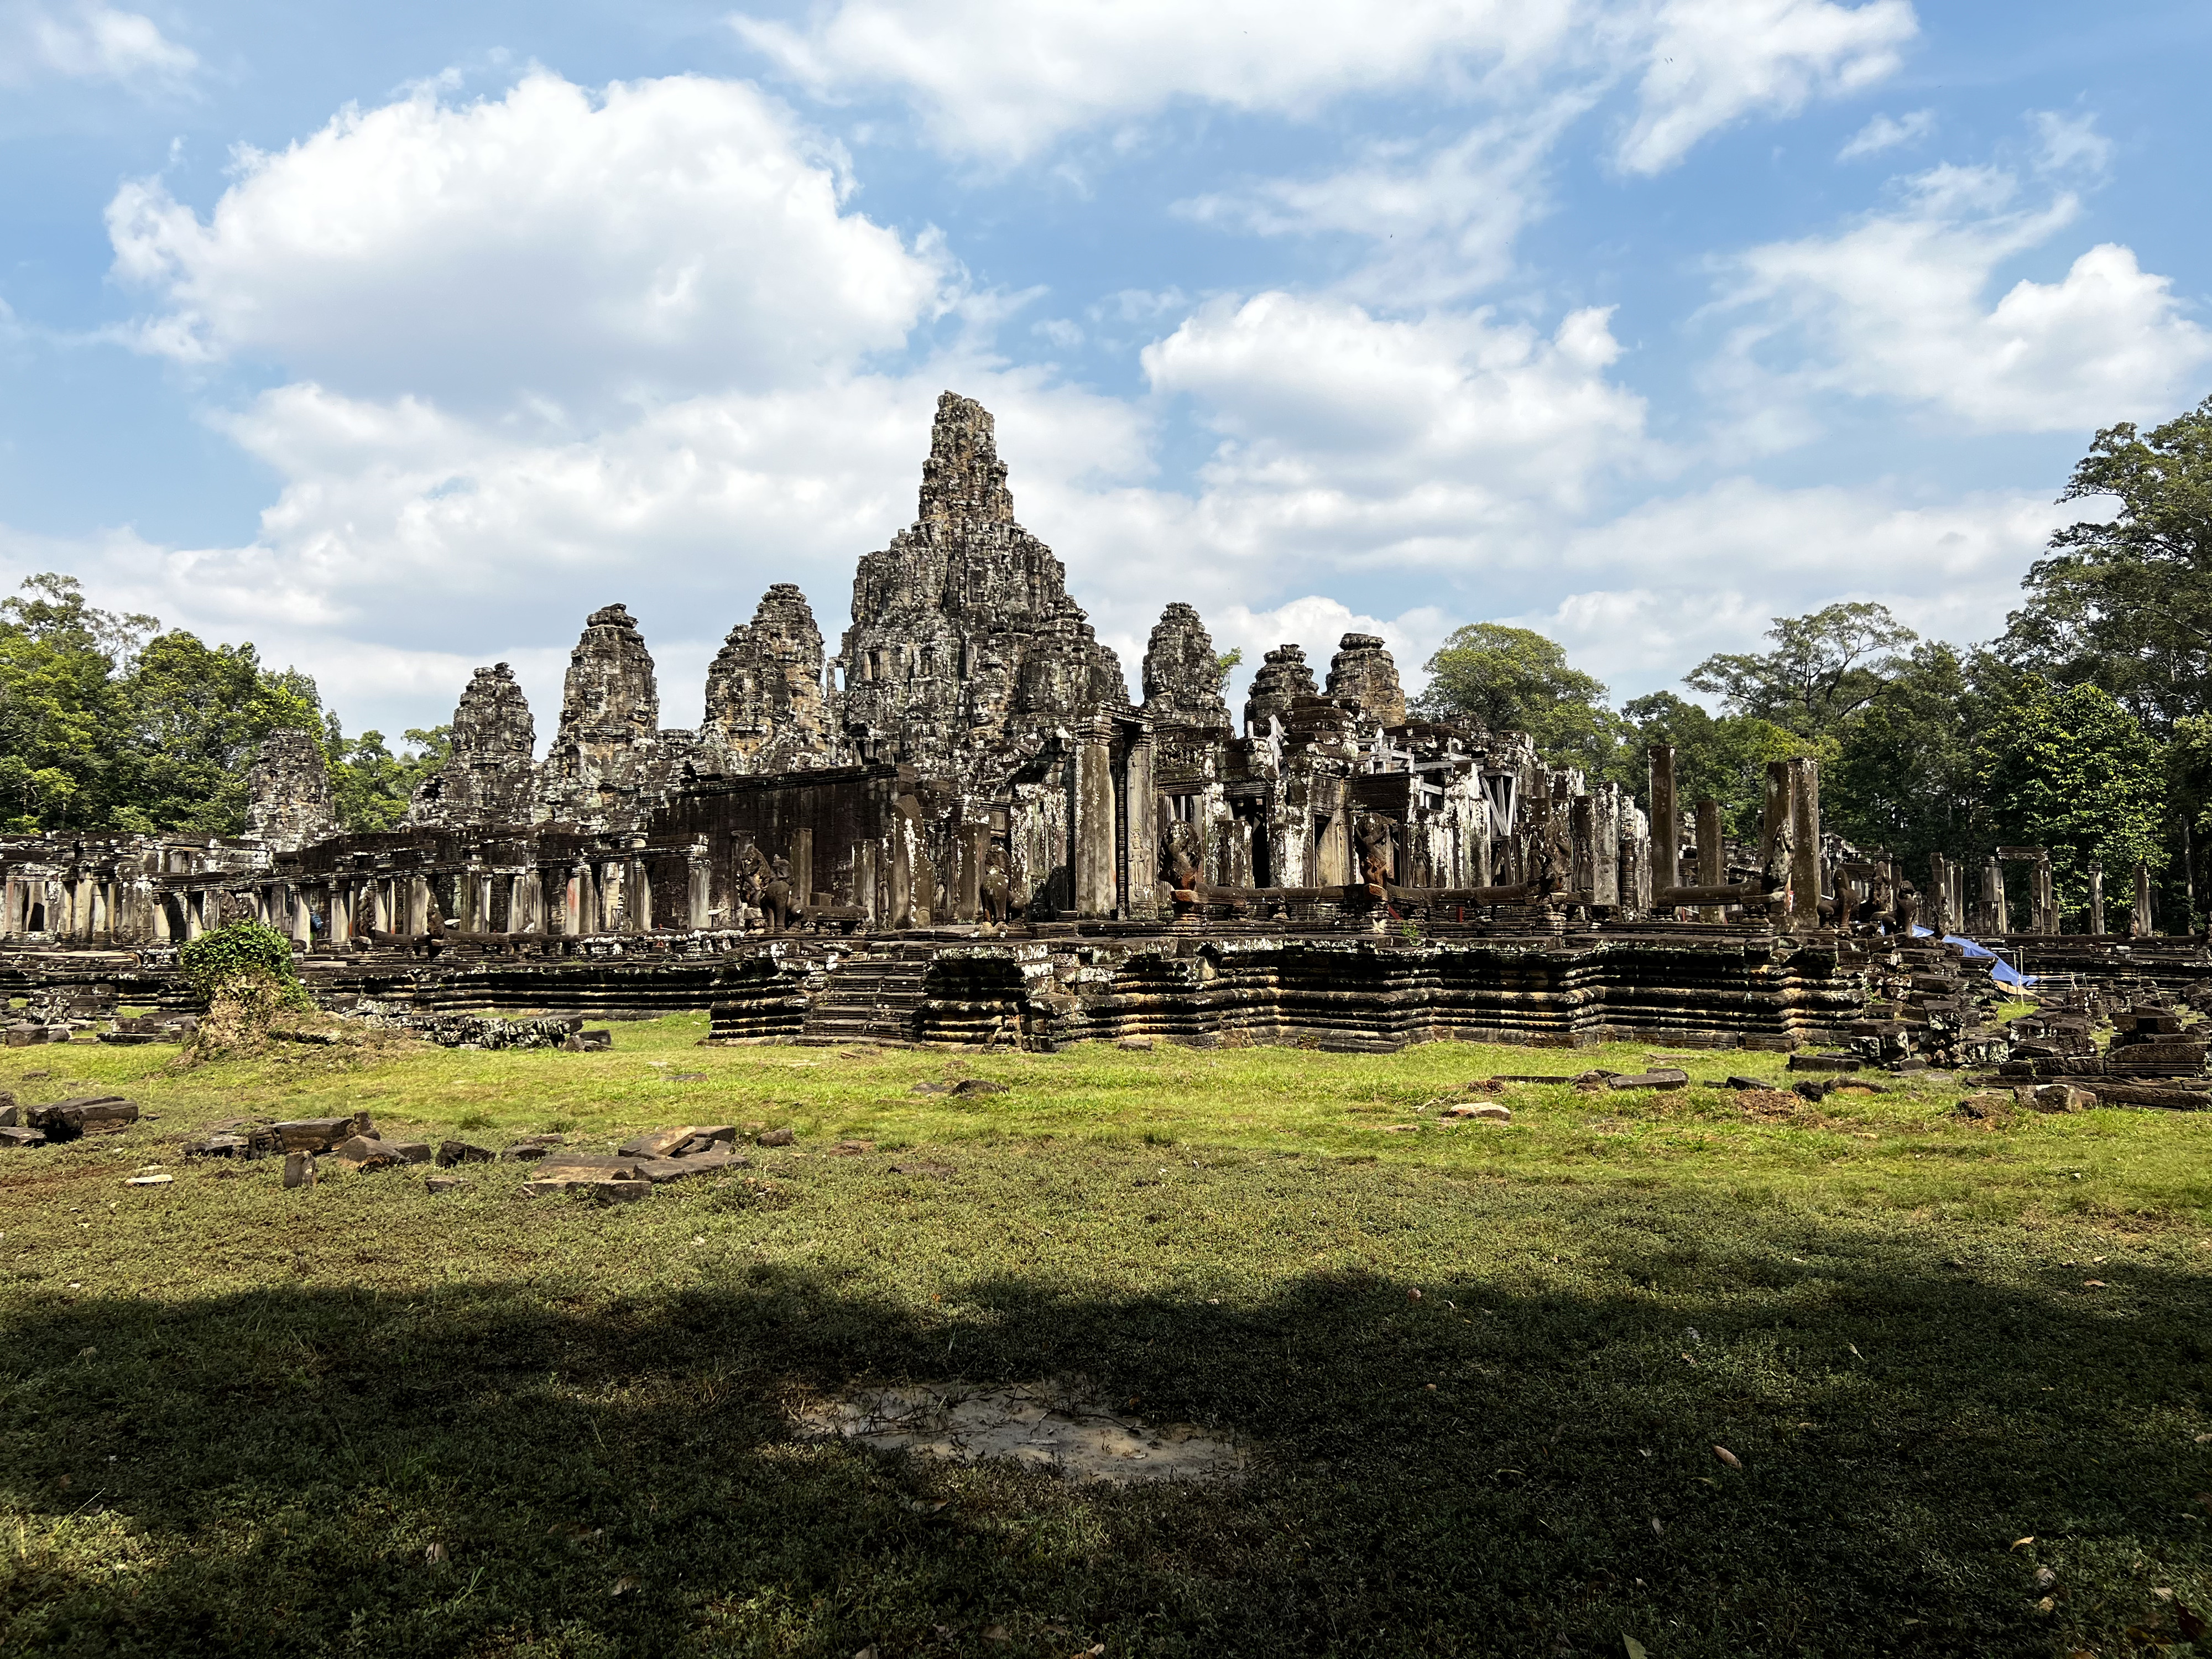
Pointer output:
x,y
2062,1097
602,766
965,649
670,1142
16,1134
775,1138
1282,679
978,1085
444,1183
1182,675
299,1169
1364,672
1667,1078
658,1169
288,792
490,777
83,1115
451,1152
365,1152
765,710
319,1135
1486,1112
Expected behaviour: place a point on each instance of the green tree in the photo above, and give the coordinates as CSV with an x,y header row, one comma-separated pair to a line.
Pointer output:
x,y
1826,666
196,716
2126,603
1514,679
1224,665
1904,775
58,712
1717,757
370,786
2071,769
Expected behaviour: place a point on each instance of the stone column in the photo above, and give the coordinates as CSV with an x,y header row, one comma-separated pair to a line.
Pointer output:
x,y
1805,822
481,886
573,900
1141,842
2141,927
699,891
419,899
1666,824
341,928
1605,847
2096,898
160,917
303,919
1581,835
637,899
1939,896
379,918
802,867
1993,898
1712,867
194,913
1092,827
100,913
2047,899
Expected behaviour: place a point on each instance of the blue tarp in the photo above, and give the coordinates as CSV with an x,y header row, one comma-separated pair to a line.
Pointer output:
x,y
2000,970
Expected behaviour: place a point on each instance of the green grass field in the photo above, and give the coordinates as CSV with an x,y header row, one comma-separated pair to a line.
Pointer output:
x,y
1963,1367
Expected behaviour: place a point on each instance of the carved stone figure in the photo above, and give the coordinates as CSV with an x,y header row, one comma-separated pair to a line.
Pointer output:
x,y
490,776
1282,679
1378,856
766,884
994,885
1183,676
1362,672
610,723
288,792
765,711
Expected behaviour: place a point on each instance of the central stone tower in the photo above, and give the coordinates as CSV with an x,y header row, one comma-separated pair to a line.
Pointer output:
x,y
965,650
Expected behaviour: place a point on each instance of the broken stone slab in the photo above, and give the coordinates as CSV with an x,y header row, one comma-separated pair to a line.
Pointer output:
x,y
365,1152
218,1145
319,1135
11,1114
451,1152
1139,1043
530,1148
585,1043
774,1138
1487,1112
1738,1081
668,1143
1824,1063
411,1151
16,1134
1987,1105
978,1086
563,1165
1667,1078
443,1183
66,1120
660,1169
299,1169
621,1185
159,1179
2060,1098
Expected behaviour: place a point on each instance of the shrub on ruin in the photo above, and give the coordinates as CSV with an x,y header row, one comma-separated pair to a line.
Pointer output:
x,y
244,962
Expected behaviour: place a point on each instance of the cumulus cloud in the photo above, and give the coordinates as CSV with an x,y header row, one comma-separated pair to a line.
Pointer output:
x,y
1004,78
1899,306
1715,61
1888,132
664,237
87,41
1714,565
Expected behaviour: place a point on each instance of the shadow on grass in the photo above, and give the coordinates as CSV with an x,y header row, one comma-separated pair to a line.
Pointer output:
x,y
266,1475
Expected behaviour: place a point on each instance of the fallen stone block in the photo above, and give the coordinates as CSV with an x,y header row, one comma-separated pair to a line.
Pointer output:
x,y
532,1147
1486,1113
611,1186
666,1143
2061,1097
1736,1080
11,1114
160,1178
1986,1106
299,1169
451,1152
1667,1078
319,1135
411,1151
365,1152
16,1134
660,1169
442,1183
1136,1042
218,1145
65,1119
1824,1063
978,1086
774,1138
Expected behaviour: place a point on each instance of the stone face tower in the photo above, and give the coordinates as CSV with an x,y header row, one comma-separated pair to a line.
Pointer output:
x,y
765,711
1362,672
1183,676
288,792
1282,678
490,777
610,722
965,646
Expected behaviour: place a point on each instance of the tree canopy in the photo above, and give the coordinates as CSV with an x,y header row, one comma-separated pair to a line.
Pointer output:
x,y
1514,679
1826,666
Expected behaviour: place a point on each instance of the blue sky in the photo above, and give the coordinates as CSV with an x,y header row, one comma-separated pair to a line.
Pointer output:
x,y
399,339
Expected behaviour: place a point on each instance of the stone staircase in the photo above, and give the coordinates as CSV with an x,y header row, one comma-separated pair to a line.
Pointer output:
x,y
875,998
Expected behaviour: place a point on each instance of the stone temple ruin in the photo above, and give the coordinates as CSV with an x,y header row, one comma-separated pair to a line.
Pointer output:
x,y
960,828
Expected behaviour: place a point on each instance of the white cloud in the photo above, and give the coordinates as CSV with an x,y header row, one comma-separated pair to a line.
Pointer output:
x,y
2071,144
667,236
1373,436
1712,567
1899,306
1888,132
1716,61
1443,219
87,41
1005,78
1318,624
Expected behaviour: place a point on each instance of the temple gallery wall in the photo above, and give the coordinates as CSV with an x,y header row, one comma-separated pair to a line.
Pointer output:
x,y
958,826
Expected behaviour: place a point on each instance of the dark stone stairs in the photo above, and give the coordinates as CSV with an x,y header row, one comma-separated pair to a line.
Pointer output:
x,y
876,998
